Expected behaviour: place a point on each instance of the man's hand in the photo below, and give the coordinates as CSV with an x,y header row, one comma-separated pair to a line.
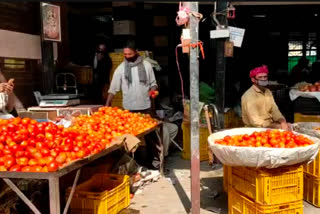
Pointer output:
x,y
109,99
6,87
2,87
285,126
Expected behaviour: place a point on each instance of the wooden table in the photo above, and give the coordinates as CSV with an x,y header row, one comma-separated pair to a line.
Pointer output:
x,y
53,177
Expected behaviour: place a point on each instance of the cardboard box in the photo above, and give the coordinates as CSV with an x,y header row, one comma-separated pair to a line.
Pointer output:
x,y
160,41
124,27
49,115
53,113
160,21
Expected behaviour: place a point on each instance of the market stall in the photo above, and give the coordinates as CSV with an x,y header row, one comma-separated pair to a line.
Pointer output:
x,y
39,162
264,168
306,100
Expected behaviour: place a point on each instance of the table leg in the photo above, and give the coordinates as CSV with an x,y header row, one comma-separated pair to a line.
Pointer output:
x,y
72,191
21,195
160,136
54,195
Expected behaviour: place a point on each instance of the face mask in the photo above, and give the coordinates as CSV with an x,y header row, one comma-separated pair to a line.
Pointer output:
x,y
132,59
262,83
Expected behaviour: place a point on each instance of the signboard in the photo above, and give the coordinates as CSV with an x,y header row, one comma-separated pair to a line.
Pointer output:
x,y
228,49
51,25
236,36
221,33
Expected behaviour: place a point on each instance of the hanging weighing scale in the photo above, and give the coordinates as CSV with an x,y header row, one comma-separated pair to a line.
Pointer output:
x,y
64,82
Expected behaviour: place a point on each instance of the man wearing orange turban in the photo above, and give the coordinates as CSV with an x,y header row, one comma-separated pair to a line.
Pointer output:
x,y
258,106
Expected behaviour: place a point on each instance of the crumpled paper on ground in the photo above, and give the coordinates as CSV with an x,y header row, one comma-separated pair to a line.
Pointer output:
x,y
261,156
294,94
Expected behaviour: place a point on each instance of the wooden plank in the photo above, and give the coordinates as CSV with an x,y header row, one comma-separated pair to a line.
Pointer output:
x,y
26,175
54,195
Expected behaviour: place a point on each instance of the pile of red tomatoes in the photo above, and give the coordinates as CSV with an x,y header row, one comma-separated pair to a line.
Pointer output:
x,y
270,138
29,146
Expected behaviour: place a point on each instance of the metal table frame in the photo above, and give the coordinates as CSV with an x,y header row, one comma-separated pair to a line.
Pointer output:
x,y
53,177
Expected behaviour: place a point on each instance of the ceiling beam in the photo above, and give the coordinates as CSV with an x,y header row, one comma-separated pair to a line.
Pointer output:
x,y
276,3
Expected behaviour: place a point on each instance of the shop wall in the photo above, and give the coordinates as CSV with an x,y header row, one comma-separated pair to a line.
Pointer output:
x,y
20,49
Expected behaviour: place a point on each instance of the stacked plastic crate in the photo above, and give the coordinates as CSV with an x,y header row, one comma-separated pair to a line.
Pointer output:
x,y
311,191
265,191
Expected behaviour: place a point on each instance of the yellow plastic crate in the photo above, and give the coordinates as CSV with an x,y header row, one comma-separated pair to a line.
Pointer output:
x,y
101,194
314,167
306,118
239,204
268,186
232,120
117,100
311,189
225,178
203,142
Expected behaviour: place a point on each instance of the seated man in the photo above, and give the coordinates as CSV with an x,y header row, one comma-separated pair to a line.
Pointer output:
x,y
258,106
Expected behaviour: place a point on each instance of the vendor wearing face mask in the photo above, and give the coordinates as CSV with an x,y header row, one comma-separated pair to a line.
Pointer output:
x,y
258,106
135,78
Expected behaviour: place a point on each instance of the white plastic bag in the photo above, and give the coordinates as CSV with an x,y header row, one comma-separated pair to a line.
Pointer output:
x,y
260,156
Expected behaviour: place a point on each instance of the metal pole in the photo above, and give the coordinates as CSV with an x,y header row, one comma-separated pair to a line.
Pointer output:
x,y
194,103
47,61
220,64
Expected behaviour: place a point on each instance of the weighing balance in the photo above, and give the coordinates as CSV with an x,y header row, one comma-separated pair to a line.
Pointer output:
x,y
63,99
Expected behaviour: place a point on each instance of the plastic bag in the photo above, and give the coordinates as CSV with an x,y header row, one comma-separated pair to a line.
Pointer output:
x,y
307,128
261,156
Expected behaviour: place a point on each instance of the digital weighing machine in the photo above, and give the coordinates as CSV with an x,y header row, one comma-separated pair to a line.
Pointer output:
x,y
68,81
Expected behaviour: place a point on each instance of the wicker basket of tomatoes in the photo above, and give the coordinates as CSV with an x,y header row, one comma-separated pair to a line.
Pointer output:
x,y
260,147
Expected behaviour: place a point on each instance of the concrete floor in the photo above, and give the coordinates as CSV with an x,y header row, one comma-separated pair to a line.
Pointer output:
x,y
171,194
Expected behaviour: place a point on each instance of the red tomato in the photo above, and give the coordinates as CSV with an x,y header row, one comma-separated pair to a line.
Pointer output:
x,y
22,161
24,143
19,154
2,160
45,151
44,169
37,168
3,168
61,158
81,154
26,169
52,166
31,150
25,121
68,140
9,162
37,155
32,162
67,147
15,168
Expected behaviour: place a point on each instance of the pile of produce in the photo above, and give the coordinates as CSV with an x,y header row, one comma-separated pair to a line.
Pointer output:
x,y
109,122
310,87
270,138
263,148
29,146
